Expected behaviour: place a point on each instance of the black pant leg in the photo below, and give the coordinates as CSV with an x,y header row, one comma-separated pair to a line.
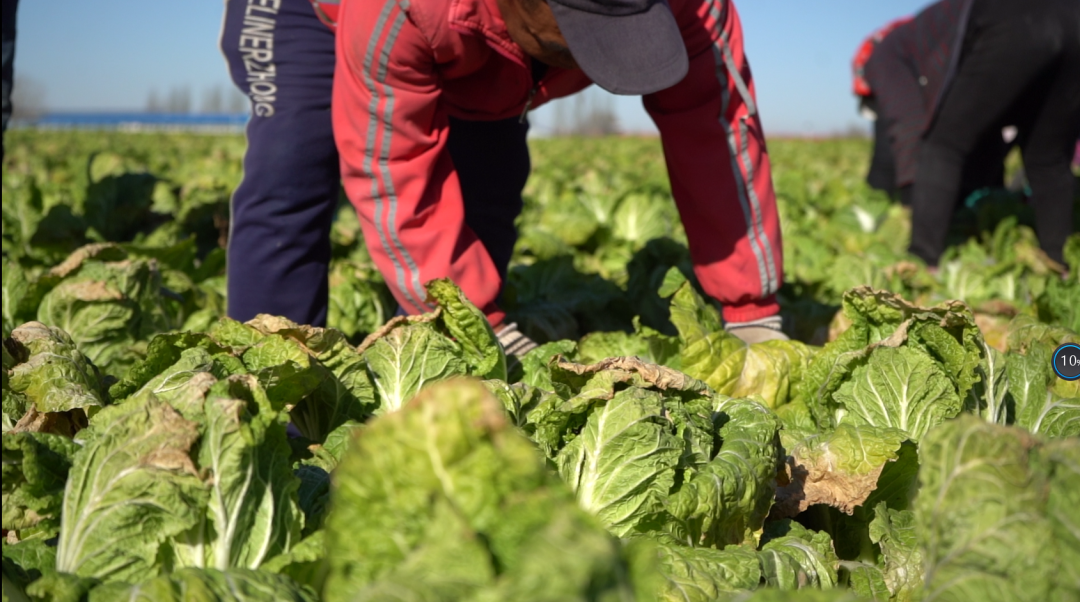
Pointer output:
x,y
9,10
984,167
1049,127
279,239
492,163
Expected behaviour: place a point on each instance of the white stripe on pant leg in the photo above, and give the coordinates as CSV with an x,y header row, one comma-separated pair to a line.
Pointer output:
x,y
736,76
384,162
368,167
771,281
755,204
740,184
759,229
369,146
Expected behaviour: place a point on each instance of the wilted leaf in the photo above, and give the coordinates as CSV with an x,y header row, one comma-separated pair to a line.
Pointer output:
x,y
840,469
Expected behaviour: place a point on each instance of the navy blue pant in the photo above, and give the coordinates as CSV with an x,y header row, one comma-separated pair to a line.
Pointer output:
x,y
10,7
279,239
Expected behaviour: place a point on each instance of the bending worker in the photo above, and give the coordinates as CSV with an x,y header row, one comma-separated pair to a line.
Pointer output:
x,y
1009,62
429,106
899,73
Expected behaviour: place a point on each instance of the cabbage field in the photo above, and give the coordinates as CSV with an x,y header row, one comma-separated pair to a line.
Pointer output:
x,y
912,443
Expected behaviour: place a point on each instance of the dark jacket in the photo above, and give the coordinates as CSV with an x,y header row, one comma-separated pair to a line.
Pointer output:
x,y
908,74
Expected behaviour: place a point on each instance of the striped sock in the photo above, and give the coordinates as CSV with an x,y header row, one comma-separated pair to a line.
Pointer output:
x,y
772,322
514,342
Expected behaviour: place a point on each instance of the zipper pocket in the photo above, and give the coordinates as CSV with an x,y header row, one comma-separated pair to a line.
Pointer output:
x,y
528,103
537,70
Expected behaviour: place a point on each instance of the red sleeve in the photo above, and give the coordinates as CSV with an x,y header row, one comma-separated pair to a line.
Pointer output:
x,y
391,132
719,169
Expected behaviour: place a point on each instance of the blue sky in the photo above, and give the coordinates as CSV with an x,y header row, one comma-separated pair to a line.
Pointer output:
x,y
110,54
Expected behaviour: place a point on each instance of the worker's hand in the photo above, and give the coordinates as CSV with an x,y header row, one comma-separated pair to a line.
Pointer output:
x,y
758,331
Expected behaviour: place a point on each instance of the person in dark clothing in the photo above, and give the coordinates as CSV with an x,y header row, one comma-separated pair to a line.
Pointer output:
x,y
899,74
1010,62
10,7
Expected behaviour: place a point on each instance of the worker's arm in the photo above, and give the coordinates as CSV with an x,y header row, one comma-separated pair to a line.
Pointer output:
x,y
901,102
719,169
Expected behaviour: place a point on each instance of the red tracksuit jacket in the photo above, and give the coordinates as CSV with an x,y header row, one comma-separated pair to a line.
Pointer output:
x,y
404,66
